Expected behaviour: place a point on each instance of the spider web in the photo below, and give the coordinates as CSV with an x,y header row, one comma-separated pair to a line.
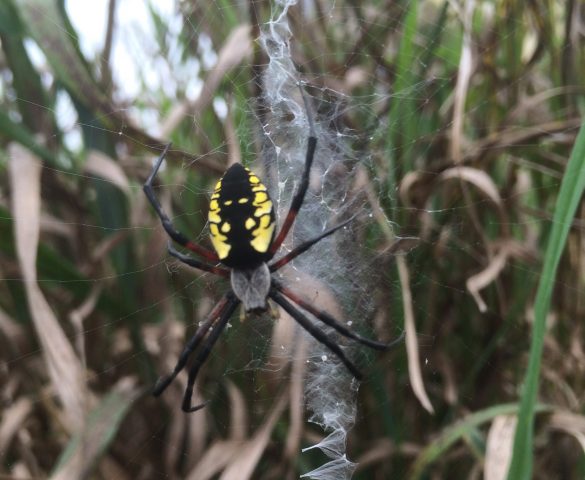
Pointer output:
x,y
160,59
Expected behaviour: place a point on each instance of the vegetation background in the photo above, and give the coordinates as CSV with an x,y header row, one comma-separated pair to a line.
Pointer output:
x,y
477,107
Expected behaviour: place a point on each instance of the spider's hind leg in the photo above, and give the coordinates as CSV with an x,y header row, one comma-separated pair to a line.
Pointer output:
x,y
220,311
315,331
230,306
332,322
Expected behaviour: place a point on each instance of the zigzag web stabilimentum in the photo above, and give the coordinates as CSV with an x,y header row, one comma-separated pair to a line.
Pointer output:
x,y
333,268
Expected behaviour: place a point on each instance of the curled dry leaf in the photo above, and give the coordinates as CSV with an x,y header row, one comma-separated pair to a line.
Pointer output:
x,y
482,279
499,444
476,177
570,423
406,185
64,368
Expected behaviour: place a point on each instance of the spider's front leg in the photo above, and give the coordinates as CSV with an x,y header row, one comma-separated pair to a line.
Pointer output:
x,y
167,224
299,197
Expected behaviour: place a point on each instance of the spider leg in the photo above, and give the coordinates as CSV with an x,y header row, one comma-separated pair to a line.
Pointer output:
x,y
167,224
195,340
231,304
193,262
316,332
299,196
303,247
327,319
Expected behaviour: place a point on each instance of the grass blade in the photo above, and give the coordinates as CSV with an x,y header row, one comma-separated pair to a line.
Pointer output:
x,y
572,187
461,430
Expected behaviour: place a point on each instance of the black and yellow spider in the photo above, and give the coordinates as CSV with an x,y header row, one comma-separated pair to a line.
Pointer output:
x,y
242,229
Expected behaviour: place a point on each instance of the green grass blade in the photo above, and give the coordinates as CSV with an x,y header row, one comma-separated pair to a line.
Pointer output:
x,y
102,427
461,430
402,128
572,187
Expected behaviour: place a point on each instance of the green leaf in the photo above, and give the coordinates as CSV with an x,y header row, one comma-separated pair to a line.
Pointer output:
x,y
100,430
572,187
460,431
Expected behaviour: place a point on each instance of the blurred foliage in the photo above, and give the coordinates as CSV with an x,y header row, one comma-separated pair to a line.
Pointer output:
x,y
468,111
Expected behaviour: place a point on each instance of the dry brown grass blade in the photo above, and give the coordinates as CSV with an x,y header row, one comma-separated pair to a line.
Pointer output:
x,y
231,137
13,332
12,420
414,371
64,368
216,457
514,136
462,86
78,315
499,447
296,402
243,465
238,413
103,166
570,423
476,177
489,274
237,47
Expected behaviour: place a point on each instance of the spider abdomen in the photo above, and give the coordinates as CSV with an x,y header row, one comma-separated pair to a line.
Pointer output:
x,y
241,219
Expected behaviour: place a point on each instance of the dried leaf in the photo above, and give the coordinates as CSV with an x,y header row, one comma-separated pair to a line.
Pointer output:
x,y
238,413
64,367
12,419
482,279
10,329
102,166
296,402
243,465
237,47
216,457
463,79
570,423
478,178
414,371
499,444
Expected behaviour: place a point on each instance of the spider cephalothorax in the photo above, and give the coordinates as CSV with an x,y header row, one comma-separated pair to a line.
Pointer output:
x,y
242,230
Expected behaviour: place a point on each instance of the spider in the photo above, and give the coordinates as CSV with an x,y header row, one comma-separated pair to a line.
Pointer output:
x,y
242,230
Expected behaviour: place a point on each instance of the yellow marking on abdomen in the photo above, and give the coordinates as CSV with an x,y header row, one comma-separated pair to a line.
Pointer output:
x,y
219,241
263,209
262,236
213,216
